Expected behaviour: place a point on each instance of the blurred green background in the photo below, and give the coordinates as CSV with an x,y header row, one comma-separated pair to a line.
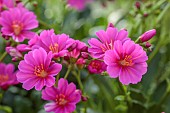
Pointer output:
x,y
151,95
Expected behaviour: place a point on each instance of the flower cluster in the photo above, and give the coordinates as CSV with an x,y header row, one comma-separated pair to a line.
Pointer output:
x,y
45,55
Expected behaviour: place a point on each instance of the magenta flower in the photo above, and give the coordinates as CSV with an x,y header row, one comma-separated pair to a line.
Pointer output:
x,y
6,4
147,35
78,4
96,67
106,41
126,61
37,70
64,98
17,23
57,44
7,75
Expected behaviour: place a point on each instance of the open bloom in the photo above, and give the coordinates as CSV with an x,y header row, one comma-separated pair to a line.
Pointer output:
x,y
7,75
96,67
78,4
126,61
37,70
17,23
64,98
57,44
106,41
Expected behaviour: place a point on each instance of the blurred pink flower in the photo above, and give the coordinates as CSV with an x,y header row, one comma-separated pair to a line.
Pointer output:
x,y
64,98
7,75
14,53
126,61
17,23
96,67
37,70
106,41
147,35
78,4
57,44
6,4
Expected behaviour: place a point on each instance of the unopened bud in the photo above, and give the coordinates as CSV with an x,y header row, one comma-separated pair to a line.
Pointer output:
x,y
84,98
145,14
137,4
147,35
110,25
73,46
84,49
147,45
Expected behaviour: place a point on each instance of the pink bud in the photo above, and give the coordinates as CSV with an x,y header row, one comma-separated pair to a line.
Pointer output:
x,y
110,25
73,46
84,98
147,35
145,14
137,4
84,49
147,45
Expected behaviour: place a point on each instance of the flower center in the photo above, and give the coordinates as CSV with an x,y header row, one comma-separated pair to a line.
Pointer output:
x,y
17,27
107,46
40,71
96,65
61,99
127,61
3,78
54,48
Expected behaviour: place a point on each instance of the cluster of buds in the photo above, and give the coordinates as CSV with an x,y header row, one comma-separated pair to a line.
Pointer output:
x,y
145,37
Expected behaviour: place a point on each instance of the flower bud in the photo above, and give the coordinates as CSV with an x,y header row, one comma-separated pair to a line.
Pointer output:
x,y
147,45
145,14
84,49
84,98
137,4
110,25
73,46
147,35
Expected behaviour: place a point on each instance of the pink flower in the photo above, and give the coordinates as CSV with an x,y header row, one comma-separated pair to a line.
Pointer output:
x,y
78,4
17,23
6,4
96,67
147,35
64,98
37,70
7,75
126,61
57,44
106,41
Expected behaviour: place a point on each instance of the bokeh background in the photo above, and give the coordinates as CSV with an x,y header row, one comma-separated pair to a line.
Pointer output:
x,y
151,95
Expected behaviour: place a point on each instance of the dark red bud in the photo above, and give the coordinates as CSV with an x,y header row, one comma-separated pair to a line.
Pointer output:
x,y
137,4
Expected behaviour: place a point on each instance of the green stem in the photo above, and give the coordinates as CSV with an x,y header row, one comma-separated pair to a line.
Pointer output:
x,y
78,77
44,24
1,96
3,56
68,71
126,93
57,78
5,53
